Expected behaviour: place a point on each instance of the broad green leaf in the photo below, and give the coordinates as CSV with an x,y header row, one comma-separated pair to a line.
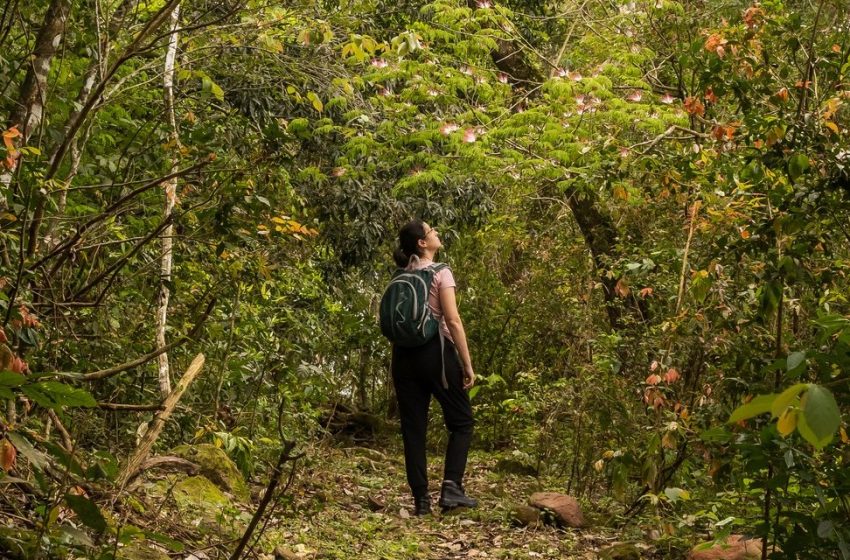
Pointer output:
x,y
795,359
825,528
759,405
36,458
676,494
809,435
11,379
87,511
821,412
797,165
54,394
786,398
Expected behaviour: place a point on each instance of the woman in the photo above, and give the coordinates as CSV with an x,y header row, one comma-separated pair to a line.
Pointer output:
x,y
418,374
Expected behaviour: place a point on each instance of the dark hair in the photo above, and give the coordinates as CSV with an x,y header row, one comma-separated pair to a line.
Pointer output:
x,y
408,242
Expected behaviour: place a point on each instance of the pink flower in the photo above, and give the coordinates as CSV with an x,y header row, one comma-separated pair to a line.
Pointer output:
x,y
561,72
635,96
448,128
668,99
579,100
466,70
379,63
503,78
484,4
469,135
338,172
575,76
624,152
433,93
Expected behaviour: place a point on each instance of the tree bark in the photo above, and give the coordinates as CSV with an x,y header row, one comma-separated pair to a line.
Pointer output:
x,y
77,120
29,111
167,255
141,453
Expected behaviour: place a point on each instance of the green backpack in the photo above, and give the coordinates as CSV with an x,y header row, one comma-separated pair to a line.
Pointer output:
x,y
405,316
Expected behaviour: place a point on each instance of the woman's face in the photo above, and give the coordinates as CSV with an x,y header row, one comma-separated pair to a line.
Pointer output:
x,y
431,240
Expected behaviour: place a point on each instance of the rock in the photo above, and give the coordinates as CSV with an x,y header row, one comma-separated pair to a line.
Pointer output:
x,y
202,504
512,466
565,508
526,516
736,547
620,551
216,466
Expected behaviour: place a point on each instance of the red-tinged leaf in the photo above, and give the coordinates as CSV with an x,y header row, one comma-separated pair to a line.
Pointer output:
x,y
653,379
12,132
8,455
710,96
716,44
752,16
718,132
694,106
836,48
672,375
622,288
644,292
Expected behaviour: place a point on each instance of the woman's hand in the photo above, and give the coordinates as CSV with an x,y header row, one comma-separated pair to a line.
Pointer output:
x,y
468,379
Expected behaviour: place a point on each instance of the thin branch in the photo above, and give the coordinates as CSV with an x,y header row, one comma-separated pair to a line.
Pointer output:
x,y
110,372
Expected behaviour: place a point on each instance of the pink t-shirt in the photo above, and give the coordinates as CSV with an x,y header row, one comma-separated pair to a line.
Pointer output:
x,y
443,279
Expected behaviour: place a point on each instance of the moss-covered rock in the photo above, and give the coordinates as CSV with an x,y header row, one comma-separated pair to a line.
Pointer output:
x,y
525,516
621,551
217,467
199,503
141,551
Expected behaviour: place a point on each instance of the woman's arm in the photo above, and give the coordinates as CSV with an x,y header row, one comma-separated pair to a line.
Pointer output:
x,y
455,325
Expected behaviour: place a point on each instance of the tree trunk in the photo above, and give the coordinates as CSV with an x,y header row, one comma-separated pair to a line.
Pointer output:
x,y
29,112
78,118
167,254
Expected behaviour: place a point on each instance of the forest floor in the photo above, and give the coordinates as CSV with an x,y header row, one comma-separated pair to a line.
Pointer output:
x,y
354,503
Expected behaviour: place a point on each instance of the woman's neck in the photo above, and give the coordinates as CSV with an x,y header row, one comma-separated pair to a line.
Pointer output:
x,y
427,255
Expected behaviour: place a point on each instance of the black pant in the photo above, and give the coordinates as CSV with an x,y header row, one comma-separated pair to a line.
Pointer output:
x,y
417,374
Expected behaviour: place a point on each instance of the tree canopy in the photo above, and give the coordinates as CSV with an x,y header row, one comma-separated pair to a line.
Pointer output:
x,y
646,204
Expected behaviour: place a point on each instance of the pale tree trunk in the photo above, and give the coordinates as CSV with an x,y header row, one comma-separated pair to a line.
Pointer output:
x,y
29,112
79,117
97,66
170,199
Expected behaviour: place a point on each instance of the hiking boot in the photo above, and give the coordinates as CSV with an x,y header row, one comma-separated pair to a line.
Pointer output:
x,y
422,505
452,496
